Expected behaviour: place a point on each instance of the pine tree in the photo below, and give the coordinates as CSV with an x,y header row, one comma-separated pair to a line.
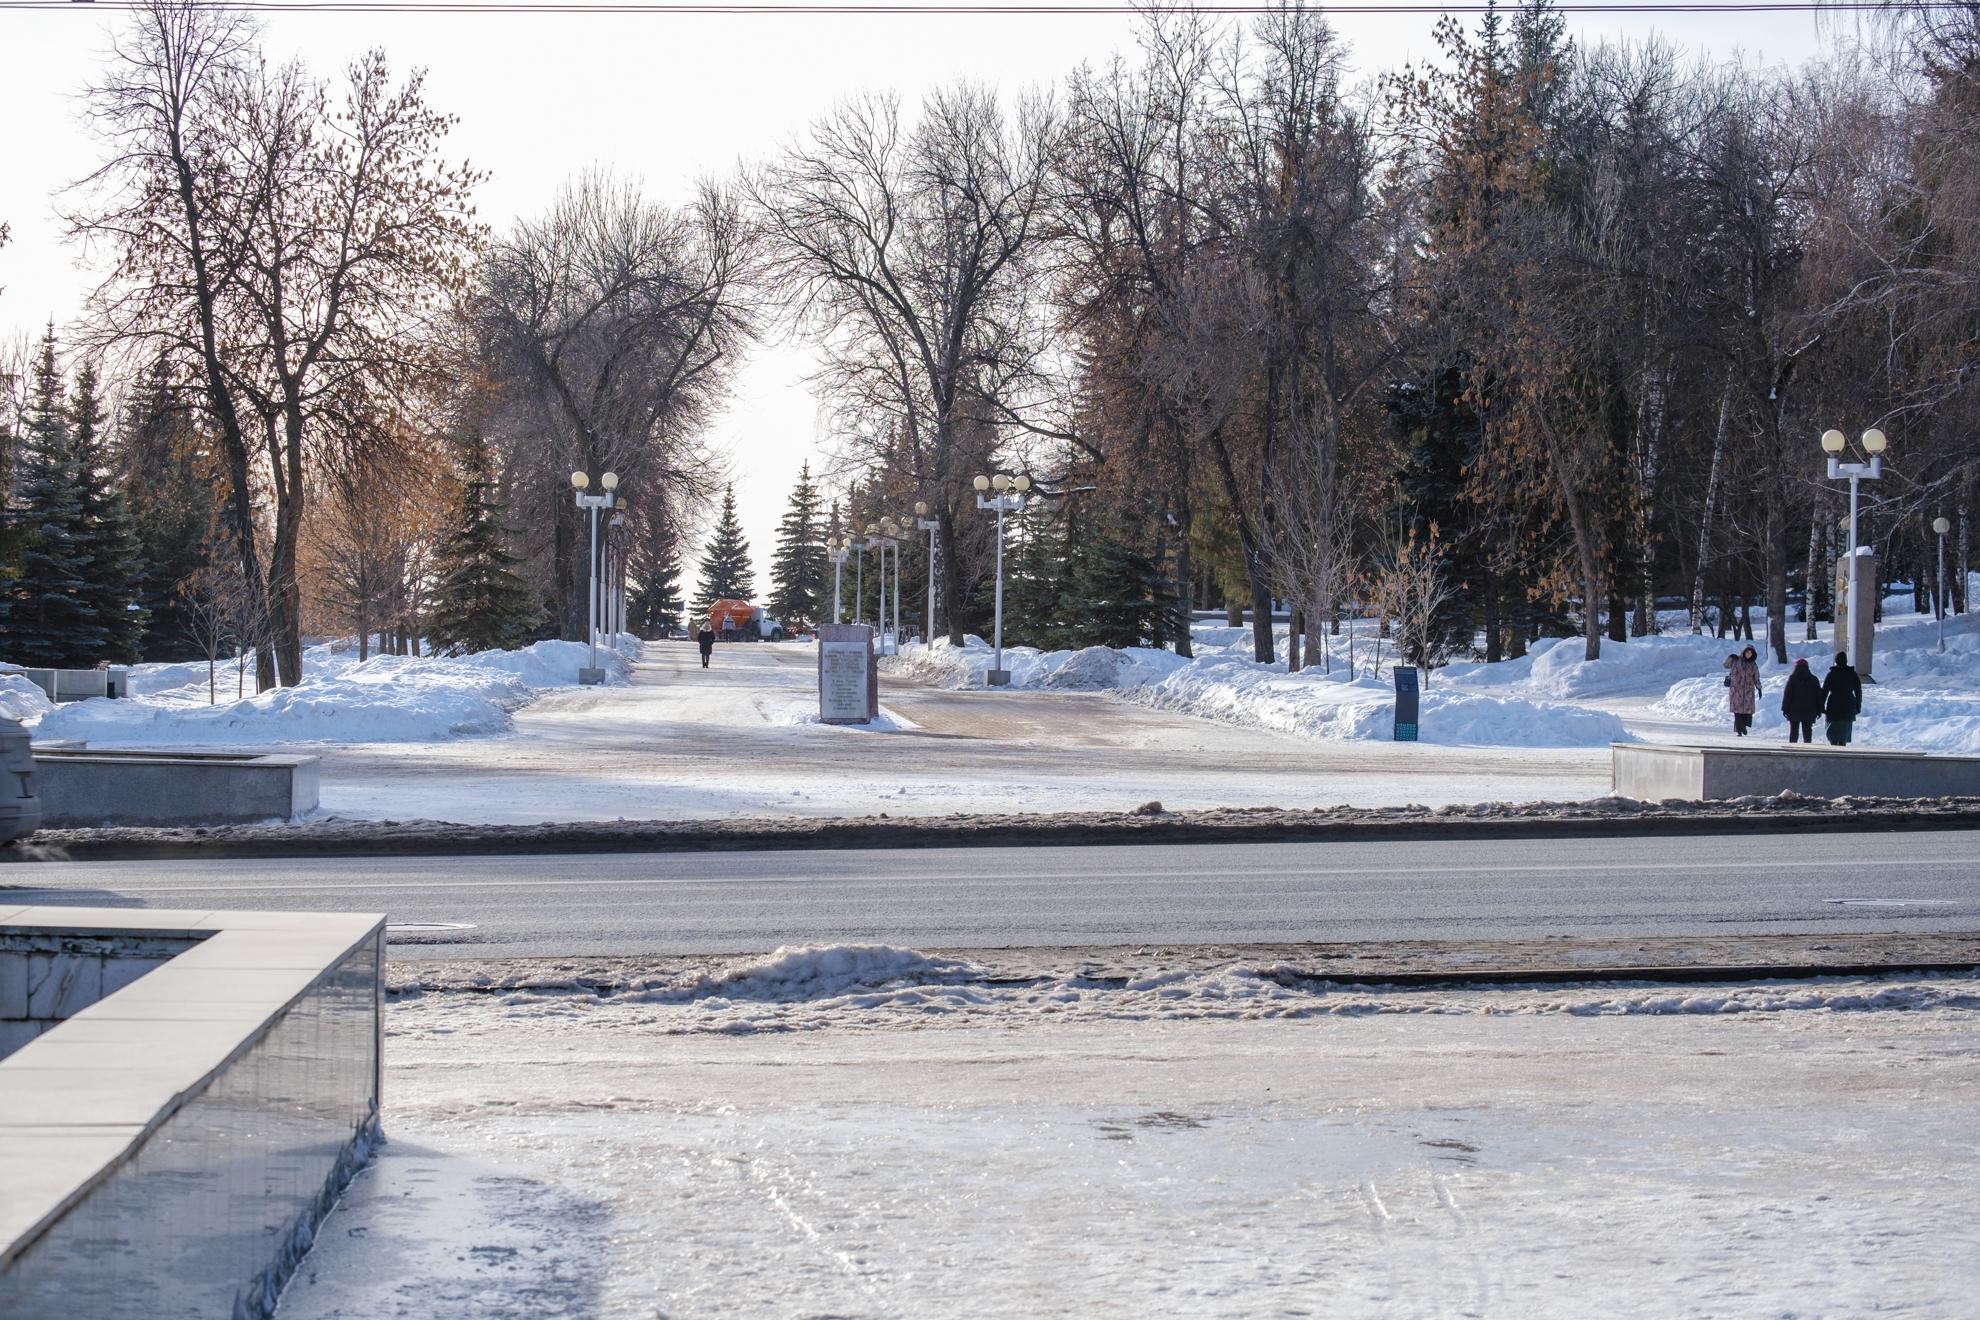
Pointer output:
x,y
111,587
1120,595
480,604
654,608
725,570
44,615
800,573
170,484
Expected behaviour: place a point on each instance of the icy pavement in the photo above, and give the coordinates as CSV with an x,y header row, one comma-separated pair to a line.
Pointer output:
x,y
819,1133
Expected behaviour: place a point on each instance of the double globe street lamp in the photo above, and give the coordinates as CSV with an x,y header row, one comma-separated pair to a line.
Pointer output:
x,y
1833,444
931,526
1011,497
609,485
838,547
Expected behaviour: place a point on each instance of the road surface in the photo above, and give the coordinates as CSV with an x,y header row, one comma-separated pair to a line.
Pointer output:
x,y
1069,896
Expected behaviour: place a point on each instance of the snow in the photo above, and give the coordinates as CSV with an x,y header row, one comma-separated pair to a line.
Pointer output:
x,y
385,699
22,700
1223,683
1182,1154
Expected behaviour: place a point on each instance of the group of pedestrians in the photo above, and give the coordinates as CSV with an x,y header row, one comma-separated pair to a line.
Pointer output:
x,y
1837,699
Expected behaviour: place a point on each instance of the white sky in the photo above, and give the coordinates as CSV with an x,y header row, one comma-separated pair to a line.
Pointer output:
x,y
663,98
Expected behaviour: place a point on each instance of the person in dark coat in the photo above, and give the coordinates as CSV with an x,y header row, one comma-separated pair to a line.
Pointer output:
x,y
1801,702
1743,677
1842,699
705,639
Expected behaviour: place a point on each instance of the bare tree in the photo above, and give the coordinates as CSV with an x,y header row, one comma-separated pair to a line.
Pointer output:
x,y
908,251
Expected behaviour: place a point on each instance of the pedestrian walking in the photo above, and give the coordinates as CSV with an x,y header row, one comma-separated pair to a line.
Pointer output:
x,y
1842,699
1801,702
1743,688
705,639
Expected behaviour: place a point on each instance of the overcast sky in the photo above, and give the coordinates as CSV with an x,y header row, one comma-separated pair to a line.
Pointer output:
x,y
662,98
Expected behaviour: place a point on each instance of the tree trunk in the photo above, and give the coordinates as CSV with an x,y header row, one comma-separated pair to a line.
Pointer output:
x,y
1494,644
1292,641
1233,611
952,583
1185,582
1777,583
1705,515
1618,619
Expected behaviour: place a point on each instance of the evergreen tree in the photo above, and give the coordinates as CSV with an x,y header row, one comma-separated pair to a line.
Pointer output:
x,y
1120,595
479,604
725,570
654,608
170,484
43,613
800,574
110,591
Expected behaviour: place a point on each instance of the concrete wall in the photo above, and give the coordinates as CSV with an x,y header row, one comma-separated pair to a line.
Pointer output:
x,y
1654,773
48,976
170,1149
80,789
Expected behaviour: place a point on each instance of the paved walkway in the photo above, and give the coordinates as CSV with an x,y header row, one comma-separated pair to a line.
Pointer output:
x,y
733,740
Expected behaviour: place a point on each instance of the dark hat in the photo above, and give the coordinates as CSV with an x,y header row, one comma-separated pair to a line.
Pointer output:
x,y
1801,662
1842,657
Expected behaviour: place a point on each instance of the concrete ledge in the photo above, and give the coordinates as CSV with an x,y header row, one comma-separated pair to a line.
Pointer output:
x,y
170,1147
83,788
1652,772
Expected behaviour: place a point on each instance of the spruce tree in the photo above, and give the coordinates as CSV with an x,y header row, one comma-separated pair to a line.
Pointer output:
x,y
800,573
654,608
44,615
110,591
479,604
170,486
725,570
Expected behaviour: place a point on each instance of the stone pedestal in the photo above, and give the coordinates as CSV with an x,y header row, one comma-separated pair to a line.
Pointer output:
x,y
997,678
591,677
848,674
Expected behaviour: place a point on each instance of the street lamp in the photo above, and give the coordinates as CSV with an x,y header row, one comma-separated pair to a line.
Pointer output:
x,y
609,483
1941,525
931,526
837,547
891,531
1010,497
1874,442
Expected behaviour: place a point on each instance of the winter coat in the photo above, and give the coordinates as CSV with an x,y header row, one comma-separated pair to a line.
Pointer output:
x,y
1745,685
706,640
1842,694
1801,699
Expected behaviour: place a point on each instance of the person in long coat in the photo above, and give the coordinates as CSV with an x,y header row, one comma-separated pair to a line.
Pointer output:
x,y
705,639
1801,702
1842,699
1743,688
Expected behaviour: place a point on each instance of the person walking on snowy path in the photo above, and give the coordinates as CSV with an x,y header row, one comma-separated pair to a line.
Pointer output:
x,y
1743,688
1801,702
705,639
1842,699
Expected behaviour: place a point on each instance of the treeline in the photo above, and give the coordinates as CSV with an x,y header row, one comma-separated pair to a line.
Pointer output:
x,y
1537,338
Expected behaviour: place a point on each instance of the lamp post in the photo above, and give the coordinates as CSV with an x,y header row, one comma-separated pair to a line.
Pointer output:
x,y
1010,497
615,572
890,541
931,526
1941,525
837,548
1874,442
609,483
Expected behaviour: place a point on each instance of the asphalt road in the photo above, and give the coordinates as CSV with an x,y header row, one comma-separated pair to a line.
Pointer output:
x,y
1058,897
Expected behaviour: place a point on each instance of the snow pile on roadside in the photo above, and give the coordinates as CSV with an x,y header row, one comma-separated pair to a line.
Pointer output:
x,y
22,700
1220,685
388,698
879,986
1554,669
819,972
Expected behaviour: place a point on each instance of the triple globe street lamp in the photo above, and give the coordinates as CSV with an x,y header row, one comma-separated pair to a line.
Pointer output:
x,y
1011,497
609,486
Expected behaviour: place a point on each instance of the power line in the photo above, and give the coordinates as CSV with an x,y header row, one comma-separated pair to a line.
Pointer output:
x,y
799,8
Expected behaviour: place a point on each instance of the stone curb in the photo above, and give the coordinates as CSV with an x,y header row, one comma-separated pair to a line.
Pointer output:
x,y
1246,825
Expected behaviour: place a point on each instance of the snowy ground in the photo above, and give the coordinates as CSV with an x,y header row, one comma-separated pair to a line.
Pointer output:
x,y
507,738
879,1133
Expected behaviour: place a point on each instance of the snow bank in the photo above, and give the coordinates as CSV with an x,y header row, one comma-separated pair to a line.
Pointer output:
x,y
1224,684
388,698
22,700
836,986
823,971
